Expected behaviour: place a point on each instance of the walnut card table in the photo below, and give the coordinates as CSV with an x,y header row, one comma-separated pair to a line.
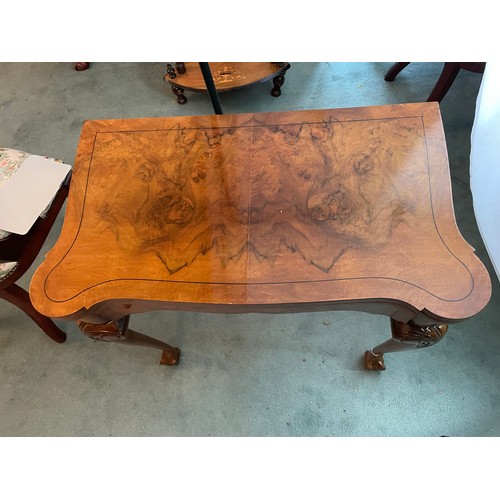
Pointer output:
x,y
338,209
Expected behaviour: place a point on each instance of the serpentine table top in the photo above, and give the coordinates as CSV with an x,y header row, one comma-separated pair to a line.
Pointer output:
x,y
266,212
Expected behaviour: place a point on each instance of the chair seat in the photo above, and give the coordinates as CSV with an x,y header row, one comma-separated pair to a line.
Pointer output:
x,y
19,249
10,161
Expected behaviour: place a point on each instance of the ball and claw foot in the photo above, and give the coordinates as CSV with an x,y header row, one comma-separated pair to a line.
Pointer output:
x,y
374,362
170,357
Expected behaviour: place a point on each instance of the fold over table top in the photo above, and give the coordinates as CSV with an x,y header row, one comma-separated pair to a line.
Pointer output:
x,y
246,212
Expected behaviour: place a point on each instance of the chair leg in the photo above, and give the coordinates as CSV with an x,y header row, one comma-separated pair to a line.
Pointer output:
x,y
394,71
20,298
447,77
82,66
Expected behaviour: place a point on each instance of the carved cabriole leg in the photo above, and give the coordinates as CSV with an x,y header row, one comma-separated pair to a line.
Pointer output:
x,y
405,336
181,98
118,331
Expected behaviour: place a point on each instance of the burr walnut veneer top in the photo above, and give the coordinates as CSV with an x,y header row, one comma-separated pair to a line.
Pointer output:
x,y
262,212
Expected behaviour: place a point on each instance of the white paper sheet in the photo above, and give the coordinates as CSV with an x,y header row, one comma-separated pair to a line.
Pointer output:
x,y
485,162
29,191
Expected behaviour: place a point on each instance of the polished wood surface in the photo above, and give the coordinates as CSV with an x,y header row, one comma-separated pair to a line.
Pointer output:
x,y
269,212
226,75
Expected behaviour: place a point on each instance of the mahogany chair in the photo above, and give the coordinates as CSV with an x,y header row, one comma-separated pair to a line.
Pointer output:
x,y
17,253
445,80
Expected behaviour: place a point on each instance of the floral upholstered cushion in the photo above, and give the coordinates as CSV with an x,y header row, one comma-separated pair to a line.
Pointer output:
x,y
6,268
10,161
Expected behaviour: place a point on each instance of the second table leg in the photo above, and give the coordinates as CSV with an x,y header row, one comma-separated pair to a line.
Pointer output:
x,y
118,331
405,336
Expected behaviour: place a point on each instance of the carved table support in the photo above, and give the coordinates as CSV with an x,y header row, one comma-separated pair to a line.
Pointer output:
x,y
300,211
405,336
118,331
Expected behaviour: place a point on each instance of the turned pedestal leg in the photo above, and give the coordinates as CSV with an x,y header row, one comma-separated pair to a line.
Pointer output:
x,y
118,331
405,336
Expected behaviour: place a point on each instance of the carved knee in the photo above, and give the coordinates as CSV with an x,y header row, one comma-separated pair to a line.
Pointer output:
x,y
112,331
418,336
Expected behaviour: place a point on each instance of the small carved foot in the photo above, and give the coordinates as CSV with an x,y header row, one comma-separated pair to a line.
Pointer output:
x,y
374,362
278,83
170,357
181,98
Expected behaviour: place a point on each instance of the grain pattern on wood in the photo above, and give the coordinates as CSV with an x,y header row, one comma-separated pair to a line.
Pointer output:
x,y
269,212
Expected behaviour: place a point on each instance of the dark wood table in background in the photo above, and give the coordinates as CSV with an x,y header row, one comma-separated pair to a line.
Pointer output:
x,y
226,76
338,209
